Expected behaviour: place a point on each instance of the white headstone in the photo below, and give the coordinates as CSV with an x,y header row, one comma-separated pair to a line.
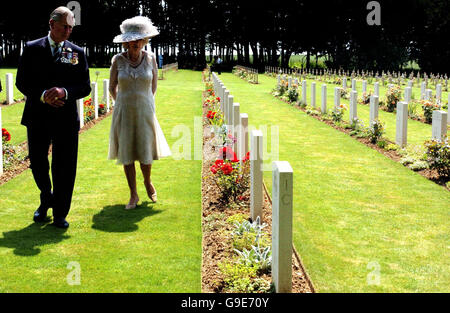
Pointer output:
x,y
402,124
94,95
256,174
353,105
337,96
9,88
344,83
408,92
324,99
106,93
410,83
304,86
226,98
236,126
376,89
364,86
243,143
439,126
438,93
282,198
374,106
80,108
429,94
354,84
289,82
313,94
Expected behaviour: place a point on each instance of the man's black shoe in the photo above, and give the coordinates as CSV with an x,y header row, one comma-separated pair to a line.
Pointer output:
x,y
40,214
60,222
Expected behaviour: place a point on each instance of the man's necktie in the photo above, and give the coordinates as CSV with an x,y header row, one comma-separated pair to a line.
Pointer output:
x,y
56,52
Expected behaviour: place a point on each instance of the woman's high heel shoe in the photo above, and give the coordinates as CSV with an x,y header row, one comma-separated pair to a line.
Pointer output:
x,y
131,206
154,197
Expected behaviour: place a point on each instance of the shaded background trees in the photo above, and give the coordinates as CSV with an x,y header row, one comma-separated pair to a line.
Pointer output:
x,y
251,32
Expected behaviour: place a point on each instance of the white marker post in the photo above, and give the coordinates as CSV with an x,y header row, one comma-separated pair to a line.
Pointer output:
x,y
282,198
80,108
402,124
9,88
324,99
94,95
256,174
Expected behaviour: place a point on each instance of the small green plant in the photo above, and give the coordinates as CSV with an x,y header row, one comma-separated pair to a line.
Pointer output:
x,y
375,131
438,156
337,113
239,277
236,218
393,96
428,108
391,147
261,257
292,94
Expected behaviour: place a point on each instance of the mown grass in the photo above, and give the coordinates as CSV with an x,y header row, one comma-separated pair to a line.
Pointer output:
x,y
354,209
154,248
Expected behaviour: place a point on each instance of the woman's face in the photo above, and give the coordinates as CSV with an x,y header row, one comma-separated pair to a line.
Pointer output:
x,y
136,46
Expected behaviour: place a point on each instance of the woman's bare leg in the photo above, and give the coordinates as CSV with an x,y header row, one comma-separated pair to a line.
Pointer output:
x,y
146,172
130,173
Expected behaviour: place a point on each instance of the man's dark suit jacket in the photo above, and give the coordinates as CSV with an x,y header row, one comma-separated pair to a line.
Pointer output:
x,y
38,72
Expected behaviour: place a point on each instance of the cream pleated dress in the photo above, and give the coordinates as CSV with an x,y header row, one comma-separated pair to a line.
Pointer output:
x,y
135,133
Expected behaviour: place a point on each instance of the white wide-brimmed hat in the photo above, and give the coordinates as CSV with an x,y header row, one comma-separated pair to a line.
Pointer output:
x,y
135,28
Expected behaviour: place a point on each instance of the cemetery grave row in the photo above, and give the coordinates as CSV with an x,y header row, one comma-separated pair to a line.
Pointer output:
x,y
167,67
437,148
246,73
228,143
430,81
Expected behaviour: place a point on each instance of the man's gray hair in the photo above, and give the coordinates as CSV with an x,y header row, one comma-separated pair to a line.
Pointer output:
x,y
60,13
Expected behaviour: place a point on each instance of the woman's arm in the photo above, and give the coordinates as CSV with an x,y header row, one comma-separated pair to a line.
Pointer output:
x,y
113,79
155,76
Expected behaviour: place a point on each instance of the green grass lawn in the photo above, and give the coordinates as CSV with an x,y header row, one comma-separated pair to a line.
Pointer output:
x,y
154,248
353,207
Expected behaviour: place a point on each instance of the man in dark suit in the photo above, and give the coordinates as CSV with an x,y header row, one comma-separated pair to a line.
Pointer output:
x,y
53,73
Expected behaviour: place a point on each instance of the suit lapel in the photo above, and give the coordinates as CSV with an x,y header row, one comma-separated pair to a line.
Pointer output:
x,y
48,49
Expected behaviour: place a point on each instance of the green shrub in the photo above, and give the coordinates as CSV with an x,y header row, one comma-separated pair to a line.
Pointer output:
x,y
438,156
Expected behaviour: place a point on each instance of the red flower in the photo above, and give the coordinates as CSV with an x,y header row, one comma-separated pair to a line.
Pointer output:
x,y
101,105
218,98
227,168
214,169
218,163
6,135
228,154
247,156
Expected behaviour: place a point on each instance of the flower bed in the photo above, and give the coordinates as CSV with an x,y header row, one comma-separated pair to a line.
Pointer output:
x,y
236,250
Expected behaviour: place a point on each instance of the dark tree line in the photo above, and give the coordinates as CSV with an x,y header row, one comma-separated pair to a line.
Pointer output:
x,y
254,33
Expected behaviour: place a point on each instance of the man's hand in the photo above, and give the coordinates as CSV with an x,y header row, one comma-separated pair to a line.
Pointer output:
x,y
54,97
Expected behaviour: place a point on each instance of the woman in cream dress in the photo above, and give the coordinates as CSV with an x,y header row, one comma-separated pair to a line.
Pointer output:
x,y
135,132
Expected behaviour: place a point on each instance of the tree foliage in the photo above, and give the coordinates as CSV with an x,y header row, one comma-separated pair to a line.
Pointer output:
x,y
252,32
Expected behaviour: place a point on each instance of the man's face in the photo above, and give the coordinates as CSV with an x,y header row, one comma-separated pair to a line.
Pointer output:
x,y
60,30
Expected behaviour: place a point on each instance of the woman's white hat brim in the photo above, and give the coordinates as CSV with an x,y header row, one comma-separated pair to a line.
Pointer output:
x,y
136,28
127,37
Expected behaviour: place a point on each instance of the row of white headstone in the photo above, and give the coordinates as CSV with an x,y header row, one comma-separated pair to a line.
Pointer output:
x,y
282,187
94,97
439,123
80,106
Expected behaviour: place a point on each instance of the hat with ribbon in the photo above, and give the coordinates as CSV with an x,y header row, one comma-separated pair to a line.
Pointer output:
x,y
136,28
